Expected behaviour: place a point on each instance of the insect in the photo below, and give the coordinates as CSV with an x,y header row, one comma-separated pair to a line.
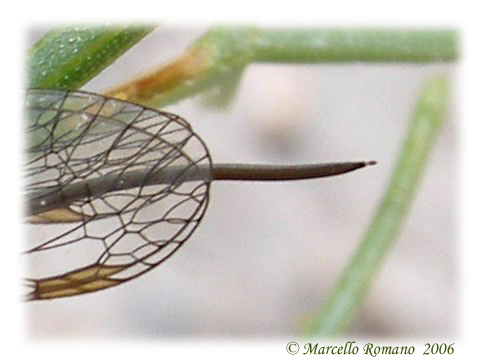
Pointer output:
x,y
121,187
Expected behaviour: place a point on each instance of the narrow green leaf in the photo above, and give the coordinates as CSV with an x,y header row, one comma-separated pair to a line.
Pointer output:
x,y
67,58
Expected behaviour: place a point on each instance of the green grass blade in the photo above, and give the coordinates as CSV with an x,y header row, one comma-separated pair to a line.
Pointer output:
x,y
67,58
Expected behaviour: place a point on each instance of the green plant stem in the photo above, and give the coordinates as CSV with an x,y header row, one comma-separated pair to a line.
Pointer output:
x,y
355,45
230,49
357,279
237,46
68,57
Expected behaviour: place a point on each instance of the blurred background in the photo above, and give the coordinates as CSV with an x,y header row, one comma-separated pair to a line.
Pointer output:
x,y
266,256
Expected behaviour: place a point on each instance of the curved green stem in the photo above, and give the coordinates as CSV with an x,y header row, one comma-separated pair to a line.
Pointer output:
x,y
221,54
358,276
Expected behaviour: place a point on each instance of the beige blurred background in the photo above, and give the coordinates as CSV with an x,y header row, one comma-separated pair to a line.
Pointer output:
x,y
266,256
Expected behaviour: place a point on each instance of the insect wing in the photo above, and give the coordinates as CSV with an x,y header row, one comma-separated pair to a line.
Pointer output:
x,y
105,238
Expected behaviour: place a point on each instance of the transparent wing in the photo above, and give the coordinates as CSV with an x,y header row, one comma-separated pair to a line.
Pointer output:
x,y
109,234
